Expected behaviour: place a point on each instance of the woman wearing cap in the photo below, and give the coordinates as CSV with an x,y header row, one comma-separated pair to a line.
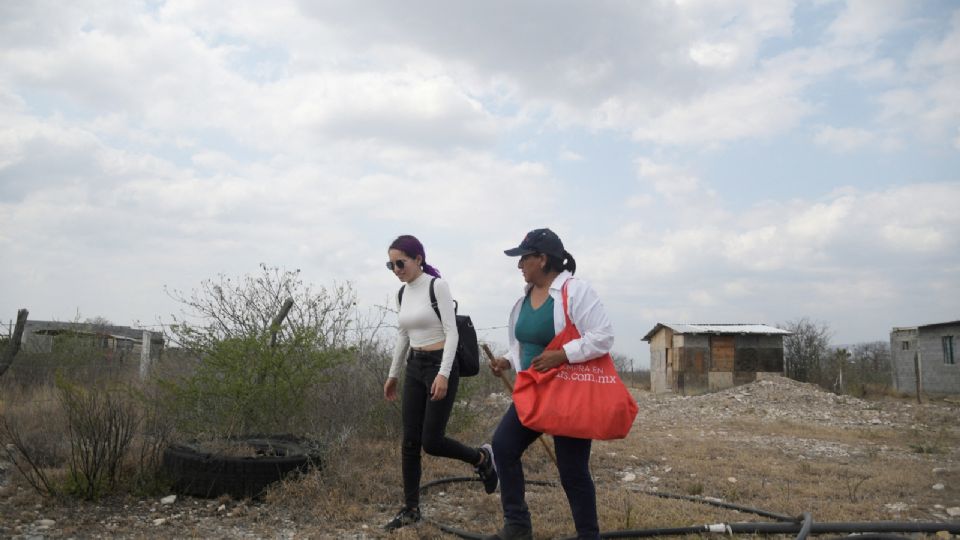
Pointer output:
x,y
428,341
535,319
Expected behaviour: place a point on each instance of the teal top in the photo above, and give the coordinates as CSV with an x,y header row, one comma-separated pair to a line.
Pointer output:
x,y
534,329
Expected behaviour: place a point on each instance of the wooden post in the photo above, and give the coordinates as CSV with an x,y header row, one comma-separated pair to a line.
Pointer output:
x,y
14,346
278,320
509,388
918,371
275,327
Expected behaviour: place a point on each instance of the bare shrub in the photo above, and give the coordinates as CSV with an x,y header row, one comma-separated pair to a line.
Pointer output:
x,y
351,402
227,308
638,378
78,360
31,435
156,431
100,427
867,369
24,457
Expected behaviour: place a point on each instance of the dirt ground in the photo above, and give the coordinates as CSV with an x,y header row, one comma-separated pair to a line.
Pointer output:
x,y
775,445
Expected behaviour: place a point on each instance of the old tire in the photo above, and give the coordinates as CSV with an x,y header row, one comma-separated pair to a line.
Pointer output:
x,y
204,474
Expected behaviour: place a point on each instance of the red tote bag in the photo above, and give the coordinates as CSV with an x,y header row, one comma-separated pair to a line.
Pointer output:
x,y
586,400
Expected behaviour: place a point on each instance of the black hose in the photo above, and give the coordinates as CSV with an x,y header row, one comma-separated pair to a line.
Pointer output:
x,y
871,536
662,531
721,504
454,479
848,527
789,528
455,531
801,527
874,527
807,524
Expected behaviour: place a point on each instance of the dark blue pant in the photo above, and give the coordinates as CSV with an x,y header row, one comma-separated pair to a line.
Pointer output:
x,y
573,462
425,421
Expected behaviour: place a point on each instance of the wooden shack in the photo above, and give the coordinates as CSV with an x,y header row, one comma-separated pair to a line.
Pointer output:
x,y
697,358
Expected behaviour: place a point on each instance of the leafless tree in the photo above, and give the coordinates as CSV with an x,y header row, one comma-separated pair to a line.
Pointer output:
x,y
623,363
806,350
873,356
225,308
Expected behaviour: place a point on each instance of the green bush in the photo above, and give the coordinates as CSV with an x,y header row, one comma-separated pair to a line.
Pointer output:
x,y
264,345
243,385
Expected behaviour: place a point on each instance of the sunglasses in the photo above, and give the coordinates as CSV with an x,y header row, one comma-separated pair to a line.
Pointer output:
x,y
399,264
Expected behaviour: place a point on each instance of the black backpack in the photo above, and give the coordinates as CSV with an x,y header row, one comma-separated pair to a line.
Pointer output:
x,y
468,351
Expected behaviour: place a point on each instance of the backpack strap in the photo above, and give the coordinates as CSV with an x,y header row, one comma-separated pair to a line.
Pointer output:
x,y
433,302
433,299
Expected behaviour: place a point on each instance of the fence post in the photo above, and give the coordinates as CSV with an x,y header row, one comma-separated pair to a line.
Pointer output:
x,y
918,370
145,355
278,320
13,347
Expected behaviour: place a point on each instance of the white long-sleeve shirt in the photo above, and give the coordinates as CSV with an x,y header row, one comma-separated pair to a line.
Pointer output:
x,y
586,312
418,324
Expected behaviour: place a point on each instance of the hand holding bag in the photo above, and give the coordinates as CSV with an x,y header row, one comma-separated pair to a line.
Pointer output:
x,y
586,400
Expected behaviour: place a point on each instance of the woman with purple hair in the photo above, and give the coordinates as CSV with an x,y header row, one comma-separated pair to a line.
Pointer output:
x,y
428,341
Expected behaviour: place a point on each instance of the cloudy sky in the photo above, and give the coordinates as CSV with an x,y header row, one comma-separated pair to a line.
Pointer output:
x,y
704,161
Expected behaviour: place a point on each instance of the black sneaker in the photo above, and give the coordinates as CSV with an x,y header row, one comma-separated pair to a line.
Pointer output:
x,y
488,469
406,516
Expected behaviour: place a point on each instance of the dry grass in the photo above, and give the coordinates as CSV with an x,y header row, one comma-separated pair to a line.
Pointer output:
x,y
837,468
861,473
36,414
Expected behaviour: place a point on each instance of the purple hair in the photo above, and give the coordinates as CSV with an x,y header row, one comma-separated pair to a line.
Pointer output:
x,y
411,247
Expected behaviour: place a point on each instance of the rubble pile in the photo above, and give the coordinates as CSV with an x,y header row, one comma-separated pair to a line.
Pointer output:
x,y
779,399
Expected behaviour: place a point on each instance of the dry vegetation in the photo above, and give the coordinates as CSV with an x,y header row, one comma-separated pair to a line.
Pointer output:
x,y
777,445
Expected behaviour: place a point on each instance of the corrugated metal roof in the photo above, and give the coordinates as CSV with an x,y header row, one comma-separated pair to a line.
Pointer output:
x,y
721,328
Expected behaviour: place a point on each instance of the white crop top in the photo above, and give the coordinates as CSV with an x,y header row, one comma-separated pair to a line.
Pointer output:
x,y
418,324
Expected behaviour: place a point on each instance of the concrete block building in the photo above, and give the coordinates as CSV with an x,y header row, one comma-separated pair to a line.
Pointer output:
x,y
930,351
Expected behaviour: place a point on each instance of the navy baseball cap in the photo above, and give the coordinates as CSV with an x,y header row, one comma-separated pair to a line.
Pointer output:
x,y
539,241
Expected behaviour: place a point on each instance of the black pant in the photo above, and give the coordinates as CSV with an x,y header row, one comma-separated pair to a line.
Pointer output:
x,y
425,421
573,462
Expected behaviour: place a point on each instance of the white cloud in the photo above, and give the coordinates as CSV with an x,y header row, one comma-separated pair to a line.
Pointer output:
x,y
913,239
569,155
692,202
171,142
702,298
866,21
714,54
847,233
666,179
639,201
844,139
821,221
924,100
